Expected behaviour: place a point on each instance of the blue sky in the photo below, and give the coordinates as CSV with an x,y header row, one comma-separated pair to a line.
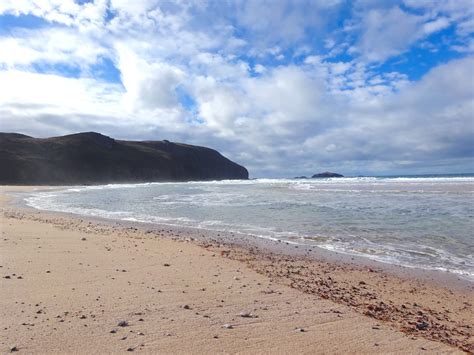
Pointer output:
x,y
284,87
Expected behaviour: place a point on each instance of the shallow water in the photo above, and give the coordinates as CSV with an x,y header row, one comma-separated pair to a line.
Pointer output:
x,y
423,222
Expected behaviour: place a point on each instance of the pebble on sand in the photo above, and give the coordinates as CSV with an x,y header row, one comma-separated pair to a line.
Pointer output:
x,y
122,323
244,314
422,326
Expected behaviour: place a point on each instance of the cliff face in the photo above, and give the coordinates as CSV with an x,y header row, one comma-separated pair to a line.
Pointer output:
x,y
92,158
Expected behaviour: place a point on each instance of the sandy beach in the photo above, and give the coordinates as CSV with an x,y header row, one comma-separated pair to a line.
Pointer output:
x,y
72,285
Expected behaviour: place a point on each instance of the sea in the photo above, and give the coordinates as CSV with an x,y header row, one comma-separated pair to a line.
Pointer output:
x,y
421,222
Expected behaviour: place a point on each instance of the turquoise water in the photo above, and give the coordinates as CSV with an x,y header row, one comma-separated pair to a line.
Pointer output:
x,y
422,222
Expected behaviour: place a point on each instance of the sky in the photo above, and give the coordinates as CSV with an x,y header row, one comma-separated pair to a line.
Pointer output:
x,y
283,87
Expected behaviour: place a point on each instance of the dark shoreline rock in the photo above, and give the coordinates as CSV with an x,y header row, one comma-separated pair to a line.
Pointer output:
x,y
92,158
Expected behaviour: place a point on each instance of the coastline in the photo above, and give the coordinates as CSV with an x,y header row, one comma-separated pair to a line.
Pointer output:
x,y
343,306
273,246
281,249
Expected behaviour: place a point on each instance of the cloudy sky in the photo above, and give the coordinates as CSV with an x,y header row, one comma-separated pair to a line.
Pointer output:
x,y
284,87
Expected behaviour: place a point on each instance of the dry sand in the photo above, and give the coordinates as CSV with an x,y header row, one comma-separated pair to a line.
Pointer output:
x,y
66,284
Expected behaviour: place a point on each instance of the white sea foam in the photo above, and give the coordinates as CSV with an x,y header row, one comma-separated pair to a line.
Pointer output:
x,y
415,222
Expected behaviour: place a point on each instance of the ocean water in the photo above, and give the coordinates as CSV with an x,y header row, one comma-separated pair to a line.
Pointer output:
x,y
421,222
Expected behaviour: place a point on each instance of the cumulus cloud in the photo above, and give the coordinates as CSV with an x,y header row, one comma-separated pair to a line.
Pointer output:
x,y
50,46
272,84
387,32
147,85
423,121
282,21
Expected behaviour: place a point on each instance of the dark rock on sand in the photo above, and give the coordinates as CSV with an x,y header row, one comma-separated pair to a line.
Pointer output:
x,y
245,314
326,174
122,323
422,326
92,158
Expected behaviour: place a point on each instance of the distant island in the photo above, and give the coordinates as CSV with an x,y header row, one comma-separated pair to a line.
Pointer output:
x,y
326,174
92,158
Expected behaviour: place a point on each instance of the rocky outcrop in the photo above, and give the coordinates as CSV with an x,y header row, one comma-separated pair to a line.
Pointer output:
x,y
326,174
92,158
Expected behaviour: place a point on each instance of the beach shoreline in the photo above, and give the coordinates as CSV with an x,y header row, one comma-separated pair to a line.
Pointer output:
x,y
401,303
311,252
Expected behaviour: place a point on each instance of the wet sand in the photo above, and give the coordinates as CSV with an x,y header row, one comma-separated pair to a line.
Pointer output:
x,y
67,282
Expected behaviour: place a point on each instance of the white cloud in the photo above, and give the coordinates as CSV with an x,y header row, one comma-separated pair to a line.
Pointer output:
x,y
218,66
312,60
423,121
50,46
260,69
45,104
387,33
13,53
188,70
58,92
147,85
459,12
282,21
436,25
467,47
66,12
388,30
